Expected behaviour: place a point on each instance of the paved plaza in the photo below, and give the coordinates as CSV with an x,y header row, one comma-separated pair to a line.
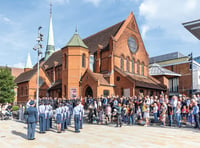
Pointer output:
x,y
13,135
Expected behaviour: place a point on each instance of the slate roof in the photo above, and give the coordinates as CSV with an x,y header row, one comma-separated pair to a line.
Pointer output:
x,y
102,37
155,70
76,41
142,81
97,77
25,76
55,57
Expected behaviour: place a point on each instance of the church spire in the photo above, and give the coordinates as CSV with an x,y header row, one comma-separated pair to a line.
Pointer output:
x,y
50,40
28,65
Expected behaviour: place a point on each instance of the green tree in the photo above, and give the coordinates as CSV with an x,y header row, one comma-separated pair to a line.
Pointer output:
x,y
6,86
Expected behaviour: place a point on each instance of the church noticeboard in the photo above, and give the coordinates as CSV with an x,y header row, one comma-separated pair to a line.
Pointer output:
x,y
127,92
73,93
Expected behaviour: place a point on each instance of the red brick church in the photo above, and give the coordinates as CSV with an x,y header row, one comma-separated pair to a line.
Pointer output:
x,y
110,62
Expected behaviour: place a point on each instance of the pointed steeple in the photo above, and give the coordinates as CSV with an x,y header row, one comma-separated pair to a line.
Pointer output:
x,y
28,63
76,41
50,40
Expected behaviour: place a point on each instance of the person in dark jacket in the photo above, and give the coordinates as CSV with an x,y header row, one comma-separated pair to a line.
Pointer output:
x,y
31,120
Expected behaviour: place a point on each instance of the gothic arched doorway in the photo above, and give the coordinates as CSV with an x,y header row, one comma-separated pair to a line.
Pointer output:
x,y
88,92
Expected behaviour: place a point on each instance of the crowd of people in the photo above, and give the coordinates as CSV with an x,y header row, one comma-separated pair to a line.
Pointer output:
x,y
144,110
176,110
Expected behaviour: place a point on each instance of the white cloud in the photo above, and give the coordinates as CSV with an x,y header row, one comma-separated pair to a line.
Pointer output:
x,y
94,2
145,29
5,19
168,15
18,65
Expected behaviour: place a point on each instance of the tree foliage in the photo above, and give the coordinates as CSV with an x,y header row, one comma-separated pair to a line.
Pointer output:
x,y
6,86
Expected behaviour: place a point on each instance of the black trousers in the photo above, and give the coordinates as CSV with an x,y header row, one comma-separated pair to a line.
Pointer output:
x,y
196,119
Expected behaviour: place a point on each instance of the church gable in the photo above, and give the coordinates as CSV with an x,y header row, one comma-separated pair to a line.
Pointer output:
x,y
130,53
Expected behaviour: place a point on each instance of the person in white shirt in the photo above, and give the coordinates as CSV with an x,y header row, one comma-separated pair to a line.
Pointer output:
x,y
81,115
76,114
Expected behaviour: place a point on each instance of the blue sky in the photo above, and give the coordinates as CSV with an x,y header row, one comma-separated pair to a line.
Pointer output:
x,y
159,21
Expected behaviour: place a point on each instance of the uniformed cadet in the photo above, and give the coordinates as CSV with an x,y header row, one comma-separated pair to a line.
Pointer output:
x,y
66,116
70,112
76,113
81,115
46,116
31,120
58,118
50,115
41,109
62,117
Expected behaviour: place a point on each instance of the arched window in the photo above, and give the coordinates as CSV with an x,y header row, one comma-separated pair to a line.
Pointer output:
x,y
138,67
133,66
122,63
83,60
127,64
142,68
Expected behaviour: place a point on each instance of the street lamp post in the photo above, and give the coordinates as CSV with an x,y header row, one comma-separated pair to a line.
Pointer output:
x,y
38,48
191,62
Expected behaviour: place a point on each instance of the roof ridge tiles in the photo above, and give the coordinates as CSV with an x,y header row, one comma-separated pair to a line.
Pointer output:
x,y
103,30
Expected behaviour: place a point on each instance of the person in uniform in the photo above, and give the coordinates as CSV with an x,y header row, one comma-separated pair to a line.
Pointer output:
x,y
58,118
76,114
66,116
50,115
46,116
41,109
63,118
70,112
31,120
81,114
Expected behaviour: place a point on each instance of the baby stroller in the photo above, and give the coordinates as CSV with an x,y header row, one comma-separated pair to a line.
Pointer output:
x,y
5,115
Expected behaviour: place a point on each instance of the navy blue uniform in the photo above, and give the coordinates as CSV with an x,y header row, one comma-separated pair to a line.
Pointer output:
x,y
31,120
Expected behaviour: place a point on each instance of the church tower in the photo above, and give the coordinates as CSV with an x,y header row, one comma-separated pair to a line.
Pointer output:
x,y
75,57
28,66
50,48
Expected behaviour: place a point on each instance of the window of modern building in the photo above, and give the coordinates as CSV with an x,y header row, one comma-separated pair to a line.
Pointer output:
x,y
83,60
138,67
173,84
127,64
122,63
133,66
106,93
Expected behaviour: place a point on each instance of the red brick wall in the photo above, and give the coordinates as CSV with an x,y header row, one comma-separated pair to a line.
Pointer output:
x,y
123,83
72,74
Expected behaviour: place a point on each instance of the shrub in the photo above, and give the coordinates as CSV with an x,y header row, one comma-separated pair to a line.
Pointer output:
x,y
15,108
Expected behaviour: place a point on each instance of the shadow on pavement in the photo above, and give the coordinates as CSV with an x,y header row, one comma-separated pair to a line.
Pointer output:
x,y
19,134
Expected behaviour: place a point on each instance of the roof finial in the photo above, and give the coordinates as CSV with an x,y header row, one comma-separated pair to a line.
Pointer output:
x,y
76,30
50,7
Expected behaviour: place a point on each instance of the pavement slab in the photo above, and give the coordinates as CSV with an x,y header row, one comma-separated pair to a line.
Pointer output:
x,y
13,135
